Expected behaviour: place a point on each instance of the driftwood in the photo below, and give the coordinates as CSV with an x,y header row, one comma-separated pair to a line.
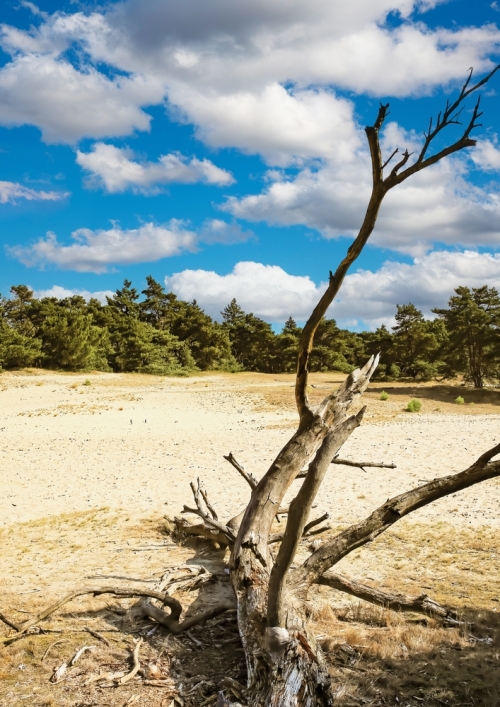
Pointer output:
x,y
137,666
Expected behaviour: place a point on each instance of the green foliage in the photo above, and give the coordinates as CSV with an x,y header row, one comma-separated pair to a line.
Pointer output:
x,y
414,405
472,321
416,343
252,339
384,395
459,400
16,349
155,332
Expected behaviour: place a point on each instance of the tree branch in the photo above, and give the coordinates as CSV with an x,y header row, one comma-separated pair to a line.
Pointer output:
x,y
251,480
336,279
397,602
268,496
174,605
298,514
357,465
448,117
390,512
212,522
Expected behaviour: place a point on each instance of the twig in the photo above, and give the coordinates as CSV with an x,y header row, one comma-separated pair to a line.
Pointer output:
x,y
209,505
195,640
98,636
137,665
79,654
56,643
358,465
314,522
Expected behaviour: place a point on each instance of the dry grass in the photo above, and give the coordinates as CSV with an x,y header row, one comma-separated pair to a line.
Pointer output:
x,y
375,655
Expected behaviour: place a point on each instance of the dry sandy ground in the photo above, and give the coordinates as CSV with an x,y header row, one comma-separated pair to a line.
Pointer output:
x,y
86,460
90,465
135,442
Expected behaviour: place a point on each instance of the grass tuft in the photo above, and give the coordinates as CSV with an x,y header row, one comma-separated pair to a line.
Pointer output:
x,y
414,405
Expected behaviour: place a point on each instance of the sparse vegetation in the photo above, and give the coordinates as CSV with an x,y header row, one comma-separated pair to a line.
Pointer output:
x,y
414,405
384,396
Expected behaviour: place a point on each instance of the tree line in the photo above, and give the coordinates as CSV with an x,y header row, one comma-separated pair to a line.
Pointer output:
x,y
163,335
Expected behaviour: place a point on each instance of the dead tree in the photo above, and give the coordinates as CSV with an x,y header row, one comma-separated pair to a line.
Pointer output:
x,y
285,664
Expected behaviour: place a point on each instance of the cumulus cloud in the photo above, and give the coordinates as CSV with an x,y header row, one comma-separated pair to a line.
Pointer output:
x,y
266,290
63,292
116,170
283,125
241,72
436,205
428,282
68,104
486,155
367,298
96,251
11,192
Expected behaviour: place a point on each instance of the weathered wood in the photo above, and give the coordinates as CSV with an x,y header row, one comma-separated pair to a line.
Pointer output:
x,y
171,621
249,478
421,604
392,511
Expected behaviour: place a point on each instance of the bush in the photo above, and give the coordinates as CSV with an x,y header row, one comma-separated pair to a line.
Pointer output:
x,y
384,395
414,405
459,400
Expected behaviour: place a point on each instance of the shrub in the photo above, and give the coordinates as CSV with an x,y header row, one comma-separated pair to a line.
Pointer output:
x,y
87,382
459,400
384,395
414,405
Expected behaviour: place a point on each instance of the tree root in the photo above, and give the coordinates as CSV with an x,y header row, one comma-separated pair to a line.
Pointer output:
x,y
170,621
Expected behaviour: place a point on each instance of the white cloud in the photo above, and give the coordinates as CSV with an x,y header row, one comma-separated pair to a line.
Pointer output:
x,y
116,170
436,205
282,125
486,155
96,251
367,297
266,290
217,231
11,192
224,66
427,282
63,292
67,104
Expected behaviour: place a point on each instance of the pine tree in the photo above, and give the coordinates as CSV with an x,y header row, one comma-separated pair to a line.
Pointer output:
x,y
473,324
416,344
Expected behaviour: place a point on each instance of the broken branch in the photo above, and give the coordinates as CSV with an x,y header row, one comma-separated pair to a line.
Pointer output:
x,y
397,602
393,510
249,478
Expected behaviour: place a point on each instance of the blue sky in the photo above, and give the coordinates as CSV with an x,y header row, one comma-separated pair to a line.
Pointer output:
x,y
219,146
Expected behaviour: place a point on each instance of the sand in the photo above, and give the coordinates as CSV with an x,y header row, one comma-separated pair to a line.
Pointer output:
x,y
82,442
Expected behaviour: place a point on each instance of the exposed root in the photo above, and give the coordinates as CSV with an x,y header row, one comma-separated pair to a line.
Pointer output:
x,y
170,621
